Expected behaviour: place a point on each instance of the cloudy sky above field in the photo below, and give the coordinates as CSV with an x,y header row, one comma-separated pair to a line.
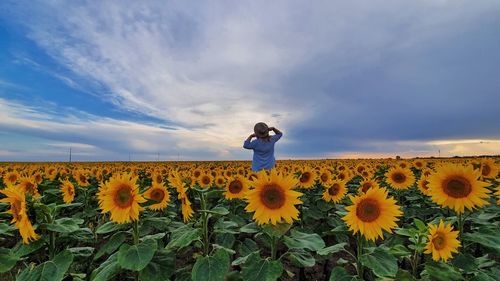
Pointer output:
x,y
187,80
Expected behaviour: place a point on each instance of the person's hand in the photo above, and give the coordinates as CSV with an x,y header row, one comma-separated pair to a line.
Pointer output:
x,y
271,128
252,136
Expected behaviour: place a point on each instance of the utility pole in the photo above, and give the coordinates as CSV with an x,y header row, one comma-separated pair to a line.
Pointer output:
x,y
158,157
70,154
129,157
439,152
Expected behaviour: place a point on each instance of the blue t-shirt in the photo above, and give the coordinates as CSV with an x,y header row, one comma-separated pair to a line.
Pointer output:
x,y
263,152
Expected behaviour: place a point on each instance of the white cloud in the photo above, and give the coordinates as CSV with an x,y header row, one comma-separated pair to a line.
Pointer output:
x,y
214,70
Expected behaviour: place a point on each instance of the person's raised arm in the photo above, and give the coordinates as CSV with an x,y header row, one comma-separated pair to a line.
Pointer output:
x,y
275,130
277,133
248,144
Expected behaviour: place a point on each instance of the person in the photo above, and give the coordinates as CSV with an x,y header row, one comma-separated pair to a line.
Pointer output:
x,y
262,146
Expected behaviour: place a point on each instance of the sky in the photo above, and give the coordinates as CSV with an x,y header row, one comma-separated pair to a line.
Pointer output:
x,y
187,80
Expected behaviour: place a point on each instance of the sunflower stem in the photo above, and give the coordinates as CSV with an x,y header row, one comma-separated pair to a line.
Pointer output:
x,y
359,266
206,238
135,228
274,247
414,262
460,226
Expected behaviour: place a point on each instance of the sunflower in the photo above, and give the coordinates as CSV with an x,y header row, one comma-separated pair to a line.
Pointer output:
x,y
371,212
121,197
497,193
68,191
335,191
11,178
38,177
307,178
81,178
325,176
273,199
29,185
205,180
17,200
442,241
423,185
488,169
236,188
366,184
400,178
157,178
159,194
456,186
187,211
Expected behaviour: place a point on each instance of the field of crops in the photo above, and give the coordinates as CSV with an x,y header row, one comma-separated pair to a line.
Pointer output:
x,y
418,219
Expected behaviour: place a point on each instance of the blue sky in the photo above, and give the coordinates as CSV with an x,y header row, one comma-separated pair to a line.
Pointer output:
x,y
188,81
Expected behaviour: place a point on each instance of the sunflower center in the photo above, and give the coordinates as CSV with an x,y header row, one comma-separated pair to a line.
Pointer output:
x,y
486,170
334,189
341,176
157,195
457,187
83,179
123,197
368,210
70,191
13,178
324,177
235,187
366,186
29,186
272,196
220,181
439,241
398,177
425,185
205,180
16,210
197,174
305,177
159,178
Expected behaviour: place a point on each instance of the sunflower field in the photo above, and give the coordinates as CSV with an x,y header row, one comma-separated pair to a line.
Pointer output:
x,y
384,219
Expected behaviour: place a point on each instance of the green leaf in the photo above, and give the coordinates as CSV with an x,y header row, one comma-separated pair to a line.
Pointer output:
x,y
332,249
64,225
161,267
81,251
404,275
221,211
22,249
301,258
53,270
62,261
250,228
113,244
138,256
247,247
6,229
277,230
420,225
107,269
211,268
340,274
486,237
400,250
481,276
381,262
183,237
300,240
465,262
109,227
257,269
7,260
442,272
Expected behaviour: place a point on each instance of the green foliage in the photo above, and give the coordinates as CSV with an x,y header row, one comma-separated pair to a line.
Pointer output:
x,y
211,268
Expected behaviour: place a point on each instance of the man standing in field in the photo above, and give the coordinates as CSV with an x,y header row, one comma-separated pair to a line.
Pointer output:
x,y
262,146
